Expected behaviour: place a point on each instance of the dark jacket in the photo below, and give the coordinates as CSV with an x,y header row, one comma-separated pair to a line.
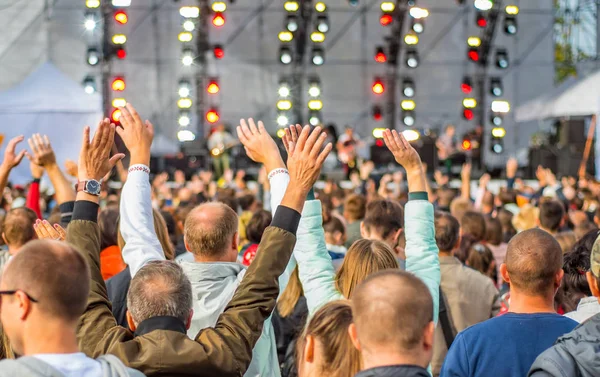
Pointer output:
x,y
160,346
573,354
117,288
287,330
395,371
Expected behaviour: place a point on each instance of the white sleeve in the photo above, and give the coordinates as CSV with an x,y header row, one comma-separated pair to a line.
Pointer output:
x,y
137,223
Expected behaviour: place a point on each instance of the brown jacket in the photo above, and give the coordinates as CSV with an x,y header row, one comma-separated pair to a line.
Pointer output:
x,y
160,346
471,298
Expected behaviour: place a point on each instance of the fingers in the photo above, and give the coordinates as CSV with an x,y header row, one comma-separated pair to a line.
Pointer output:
x,y
44,230
252,126
126,118
261,127
245,129
398,139
31,143
300,144
150,127
20,157
134,114
62,233
116,158
12,144
318,144
241,135
323,155
295,131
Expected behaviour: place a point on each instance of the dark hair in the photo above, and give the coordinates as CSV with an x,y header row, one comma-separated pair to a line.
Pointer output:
x,y
576,264
108,221
447,231
551,214
334,225
480,258
507,196
505,217
246,201
355,207
493,231
473,224
384,217
257,225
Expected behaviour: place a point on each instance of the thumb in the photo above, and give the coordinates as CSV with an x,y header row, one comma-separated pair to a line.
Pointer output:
x,y
20,156
116,158
150,127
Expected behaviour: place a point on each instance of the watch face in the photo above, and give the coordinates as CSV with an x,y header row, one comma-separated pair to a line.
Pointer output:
x,y
92,187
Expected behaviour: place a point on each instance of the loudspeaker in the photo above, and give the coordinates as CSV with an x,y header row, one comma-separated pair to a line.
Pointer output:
x,y
571,132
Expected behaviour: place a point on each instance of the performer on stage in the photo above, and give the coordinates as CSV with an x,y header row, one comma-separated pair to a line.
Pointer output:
x,y
346,148
219,143
446,146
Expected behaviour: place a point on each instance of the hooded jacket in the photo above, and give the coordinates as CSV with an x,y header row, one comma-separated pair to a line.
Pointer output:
x,y
33,367
573,354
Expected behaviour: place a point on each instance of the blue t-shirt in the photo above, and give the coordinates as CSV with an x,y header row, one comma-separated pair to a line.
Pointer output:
x,y
504,346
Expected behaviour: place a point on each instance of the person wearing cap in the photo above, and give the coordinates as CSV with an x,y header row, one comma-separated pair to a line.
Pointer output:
x,y
576,353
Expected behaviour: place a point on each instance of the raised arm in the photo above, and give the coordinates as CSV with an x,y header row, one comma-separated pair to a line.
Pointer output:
x,y
421,248
465,181
10,161
33,194
137,223
239,327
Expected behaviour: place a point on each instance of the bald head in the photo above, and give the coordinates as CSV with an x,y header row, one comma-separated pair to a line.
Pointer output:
x,y
54,274
533,260
391,310
210,229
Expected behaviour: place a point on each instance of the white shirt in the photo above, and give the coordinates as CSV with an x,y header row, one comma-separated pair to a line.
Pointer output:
x,y
72,364
587,308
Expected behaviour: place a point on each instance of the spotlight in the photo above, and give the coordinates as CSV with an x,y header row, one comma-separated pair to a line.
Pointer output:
x,y
121,3
314,89
378,87
185,135
92,4
408,105
418,13
219,6
285,55
469,103
496,119
213,86
466,144
377,114
317,37
121,17
315,104
185,88
468,114
474,41
411,39
291,6
388,6
284,104
184,119
510,25
408,88
218,19
285,36
93,56
282,120
187,57
314,118
121,53
291,23
412,58
89,84
499,106
185,36
473,54
380,56
497,145
280,132
218,52
212,116
408,118
496,88
411,135
417,25
318,56
284,89
498,132
480,19
91,20
353,2
189,12
386,19
119,39
502,59
189,25
483,4
320,7
322,23
115,115
118,84
184,103
467,85
512,10
119,102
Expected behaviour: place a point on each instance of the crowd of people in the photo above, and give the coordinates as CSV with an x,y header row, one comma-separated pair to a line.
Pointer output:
x,y
184,275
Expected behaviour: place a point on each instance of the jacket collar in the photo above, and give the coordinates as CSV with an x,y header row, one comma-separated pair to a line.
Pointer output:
x,y
449,259
160,323
395,371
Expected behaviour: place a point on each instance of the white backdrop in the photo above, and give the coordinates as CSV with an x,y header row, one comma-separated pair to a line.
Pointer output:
x,y
50,103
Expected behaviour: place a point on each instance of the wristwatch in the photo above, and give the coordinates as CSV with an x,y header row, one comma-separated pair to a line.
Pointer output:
x,y
91,186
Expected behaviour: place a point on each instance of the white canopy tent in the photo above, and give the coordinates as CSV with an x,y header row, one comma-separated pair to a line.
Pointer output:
x,y
50,103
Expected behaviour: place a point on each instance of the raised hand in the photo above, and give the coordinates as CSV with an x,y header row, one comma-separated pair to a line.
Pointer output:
x,y
11,157
259,145
94,159
42,153
484,180
71,168
408,157
306,158
511,167
45,231
136,135
465,173
291,135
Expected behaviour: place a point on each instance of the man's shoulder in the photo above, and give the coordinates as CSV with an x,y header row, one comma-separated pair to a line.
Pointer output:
x,y
474,278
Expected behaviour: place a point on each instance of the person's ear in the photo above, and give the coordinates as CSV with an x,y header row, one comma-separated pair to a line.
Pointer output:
x,y
504,273
309,349
558,278
593,283
24,305
338,237
130,321
428,336
354,336
188,321
185,243
4,238
363,230
235,241
397,235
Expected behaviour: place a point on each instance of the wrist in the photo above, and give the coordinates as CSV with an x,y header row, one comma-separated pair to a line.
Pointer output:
x,y
87,197
5,168
141,157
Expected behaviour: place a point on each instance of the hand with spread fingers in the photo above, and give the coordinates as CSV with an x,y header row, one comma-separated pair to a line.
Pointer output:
x,y
291,135
136,135
11,157
407,156
94,158
306,157
42,153
259,145
45,231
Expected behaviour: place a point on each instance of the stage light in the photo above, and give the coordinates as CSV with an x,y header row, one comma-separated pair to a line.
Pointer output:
x,y
189,12
480,19
466,145
513,10
496,119
408,104
280,132
291,6
378,133
184,103
314,119
121,53
353,2
378,87
502,58
386,19
473,54
118,84
318,56
184,119
91,20
380,56
470,103
218,51
468,114
500,106
218,19
284,104
412,58
284,90
315,104
285,55
285,36
185,135
411,39
317,37
314,89
418,13
408,88
467,85
121,3
212,116
496,88
119,39
388,6
282,120
498,132
408,118
92,4
291,23
187,57
121,17
93,57
115,115
510,25
417,25
320,7
497,145
89,84
483,4
189,25
213,86
185,36
377,113
411,135
119,102
322,23
474,41
219,6
185,88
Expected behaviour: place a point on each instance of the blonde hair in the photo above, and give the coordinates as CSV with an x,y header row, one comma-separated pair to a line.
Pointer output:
x,y
526,218
6,351
329,326
290,296
364,258
160,227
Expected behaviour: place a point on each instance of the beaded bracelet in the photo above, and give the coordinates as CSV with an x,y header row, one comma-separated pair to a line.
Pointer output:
x,y
277,171
139,167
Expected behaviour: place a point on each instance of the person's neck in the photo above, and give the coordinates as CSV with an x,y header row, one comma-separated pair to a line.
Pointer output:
x,y
50,337
12,250
525,303
385,359
330,240
214,259
444,253
549,231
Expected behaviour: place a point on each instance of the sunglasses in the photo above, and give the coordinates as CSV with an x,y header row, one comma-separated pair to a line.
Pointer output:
x,y
10,293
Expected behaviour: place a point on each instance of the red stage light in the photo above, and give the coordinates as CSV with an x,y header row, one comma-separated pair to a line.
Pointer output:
x,y
474,55
218,52
121,17
379,142
468,114
115,115
118,84
380,56
121,53
377,113
466,87
386,19
218,19
378,87
481,21
212,116
213,87
466,145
